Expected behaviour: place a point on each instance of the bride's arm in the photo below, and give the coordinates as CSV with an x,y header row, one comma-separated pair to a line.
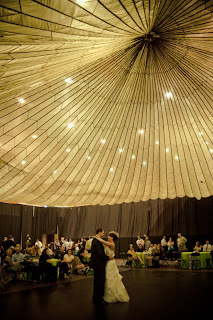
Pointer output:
x,y
107,243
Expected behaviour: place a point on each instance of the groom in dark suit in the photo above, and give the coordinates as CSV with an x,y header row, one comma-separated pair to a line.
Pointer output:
x,y
98,263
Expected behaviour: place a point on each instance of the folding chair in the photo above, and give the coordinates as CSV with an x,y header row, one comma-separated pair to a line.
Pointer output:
x,y
195,263
123,256
209,262
163,262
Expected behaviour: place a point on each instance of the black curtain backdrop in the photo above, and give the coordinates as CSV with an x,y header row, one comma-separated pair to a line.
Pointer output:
x,y
193,218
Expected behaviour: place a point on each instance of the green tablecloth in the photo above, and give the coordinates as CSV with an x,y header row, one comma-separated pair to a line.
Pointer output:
x,y
186,256
140,265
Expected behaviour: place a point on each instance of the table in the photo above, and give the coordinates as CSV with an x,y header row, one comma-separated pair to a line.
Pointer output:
x,y
142,256
186,256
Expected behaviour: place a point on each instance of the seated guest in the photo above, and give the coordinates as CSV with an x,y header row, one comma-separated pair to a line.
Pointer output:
x,y
198,247
152,258
171,247
10,264
63,267
83,255
18,256
132,255
60,255
149,251
140,248
207,247
51,250
35,252
47,267
68,259
162,253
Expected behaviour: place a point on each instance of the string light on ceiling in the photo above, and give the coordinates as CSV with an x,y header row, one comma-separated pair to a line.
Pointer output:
x,y
141,75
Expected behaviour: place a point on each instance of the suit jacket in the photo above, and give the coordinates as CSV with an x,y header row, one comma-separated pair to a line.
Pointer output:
x,y
98,256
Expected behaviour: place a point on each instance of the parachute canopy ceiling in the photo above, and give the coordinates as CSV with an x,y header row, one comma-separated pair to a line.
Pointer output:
x,y
105,102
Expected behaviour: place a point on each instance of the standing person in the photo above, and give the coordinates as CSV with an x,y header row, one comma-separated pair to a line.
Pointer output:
x,y
10,243
114,287
38,243
164,243
181,243
3,250
98,264
139,241
147,243
171,247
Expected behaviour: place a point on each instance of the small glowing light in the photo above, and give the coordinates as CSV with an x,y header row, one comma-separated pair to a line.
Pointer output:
x,y
81,1
70,125
88,157
211,150
35,136
103,141
23,162
207,142
111,169
157,142
141,131
200,133
121,150
21,100
133,156
68,150
68,80
176,157
45,206
168,95
167,150
144,163
55,171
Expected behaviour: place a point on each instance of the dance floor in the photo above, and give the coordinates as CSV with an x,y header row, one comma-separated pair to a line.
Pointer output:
x,y
155,294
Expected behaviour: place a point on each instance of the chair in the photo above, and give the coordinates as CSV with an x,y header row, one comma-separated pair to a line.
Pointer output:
x,y
123,256
195,263
163,261
209,261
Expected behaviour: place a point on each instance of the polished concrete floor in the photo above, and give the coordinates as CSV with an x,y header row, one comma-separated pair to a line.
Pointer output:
x,y
155,294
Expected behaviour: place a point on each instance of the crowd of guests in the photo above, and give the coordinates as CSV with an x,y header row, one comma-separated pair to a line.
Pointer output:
x,y
58,259
166,249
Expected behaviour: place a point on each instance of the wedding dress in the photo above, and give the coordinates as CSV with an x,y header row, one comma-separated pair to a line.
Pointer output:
x,y
114,288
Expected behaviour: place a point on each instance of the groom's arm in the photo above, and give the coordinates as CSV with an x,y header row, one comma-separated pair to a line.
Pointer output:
x,y
100,251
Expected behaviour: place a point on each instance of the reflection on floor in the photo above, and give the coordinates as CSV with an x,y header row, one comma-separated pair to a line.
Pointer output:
x,y
154,293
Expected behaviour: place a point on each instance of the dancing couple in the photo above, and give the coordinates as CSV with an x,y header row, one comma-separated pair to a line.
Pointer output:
x,y
108,285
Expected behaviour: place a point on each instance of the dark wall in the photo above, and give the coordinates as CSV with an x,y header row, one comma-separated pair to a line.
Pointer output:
x,y
193,218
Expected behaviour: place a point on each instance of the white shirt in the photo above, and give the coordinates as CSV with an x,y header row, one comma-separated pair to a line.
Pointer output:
x,y
88,245
66,244
38,243
207,247
163,242
140,241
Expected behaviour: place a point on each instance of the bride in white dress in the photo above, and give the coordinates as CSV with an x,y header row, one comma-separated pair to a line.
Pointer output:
x,y
114,288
